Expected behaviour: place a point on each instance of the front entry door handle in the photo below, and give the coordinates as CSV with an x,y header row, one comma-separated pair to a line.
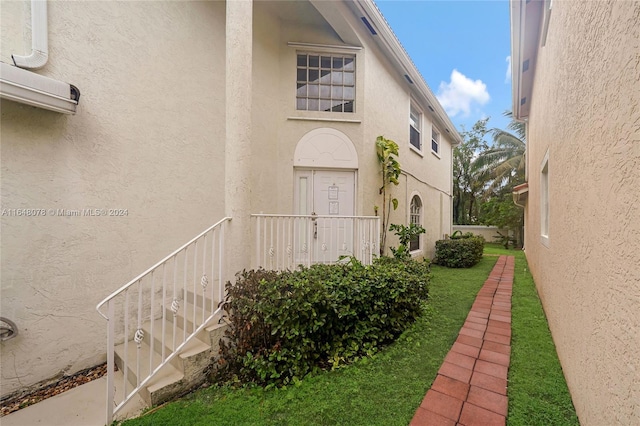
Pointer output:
x,y
315,225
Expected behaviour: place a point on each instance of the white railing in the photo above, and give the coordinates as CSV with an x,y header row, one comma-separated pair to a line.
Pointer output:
x,y
160,311
286,241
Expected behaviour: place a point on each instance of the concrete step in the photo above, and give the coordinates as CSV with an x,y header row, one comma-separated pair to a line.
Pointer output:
x,y
142,360
195,346
202,298
187,313
187,369
216,332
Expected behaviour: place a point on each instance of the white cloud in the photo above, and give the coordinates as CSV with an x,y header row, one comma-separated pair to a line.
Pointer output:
x,y
507,77
458,95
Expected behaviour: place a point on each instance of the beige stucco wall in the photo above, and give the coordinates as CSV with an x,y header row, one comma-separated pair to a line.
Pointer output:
x,y
382,108
488,232
147,138
388,98
586,114
276,124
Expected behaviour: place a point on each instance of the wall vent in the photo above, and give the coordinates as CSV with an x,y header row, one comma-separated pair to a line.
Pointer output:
x,y
369,26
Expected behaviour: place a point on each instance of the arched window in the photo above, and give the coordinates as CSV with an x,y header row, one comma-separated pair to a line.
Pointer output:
x,y
415,216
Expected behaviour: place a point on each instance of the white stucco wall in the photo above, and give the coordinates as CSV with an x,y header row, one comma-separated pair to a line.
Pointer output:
x,y
585,113
488,232
148,137
382,108
277,125
388,98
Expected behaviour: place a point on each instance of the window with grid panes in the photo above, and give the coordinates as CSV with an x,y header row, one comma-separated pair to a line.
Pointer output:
x,y
415,216
325,82
435,140
414,128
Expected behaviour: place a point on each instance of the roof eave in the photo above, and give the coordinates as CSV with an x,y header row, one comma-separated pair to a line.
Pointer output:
x,y
517,38
526,21
400,58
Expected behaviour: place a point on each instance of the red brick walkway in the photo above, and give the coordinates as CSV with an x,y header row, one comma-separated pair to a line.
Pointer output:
x,y
471,386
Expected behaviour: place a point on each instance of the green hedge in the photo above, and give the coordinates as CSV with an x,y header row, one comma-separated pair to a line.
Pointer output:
x,y
287,325
460,252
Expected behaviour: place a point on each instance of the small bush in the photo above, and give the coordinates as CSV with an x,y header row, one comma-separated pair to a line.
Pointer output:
x,y
504,239
405,235
460,252
459,235
287,325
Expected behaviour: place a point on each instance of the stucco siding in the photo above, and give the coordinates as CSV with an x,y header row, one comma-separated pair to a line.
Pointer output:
x,y
153,139
280,126
266,115
387,109
381,108
148,138
585,114
490,233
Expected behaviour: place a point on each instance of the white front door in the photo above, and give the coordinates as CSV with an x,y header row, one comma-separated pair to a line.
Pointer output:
x,y
333,193
327,193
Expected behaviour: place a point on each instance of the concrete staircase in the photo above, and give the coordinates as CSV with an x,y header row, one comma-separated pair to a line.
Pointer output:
x,y
185,371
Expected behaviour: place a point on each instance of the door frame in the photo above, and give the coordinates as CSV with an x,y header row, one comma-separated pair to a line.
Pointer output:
x,y
324,148
309,174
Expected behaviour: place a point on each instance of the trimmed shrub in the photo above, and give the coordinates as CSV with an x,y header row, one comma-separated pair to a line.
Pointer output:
x,y
289,324
460,251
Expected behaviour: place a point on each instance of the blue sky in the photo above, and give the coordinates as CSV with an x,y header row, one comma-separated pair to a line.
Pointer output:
x,y
461,49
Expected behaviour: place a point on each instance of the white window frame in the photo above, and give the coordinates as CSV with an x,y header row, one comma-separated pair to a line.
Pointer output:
x,y
435,140
415,124
335,83
544,200
419,216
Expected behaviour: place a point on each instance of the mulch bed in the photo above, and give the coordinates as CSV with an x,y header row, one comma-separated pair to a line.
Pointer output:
x,y
64,384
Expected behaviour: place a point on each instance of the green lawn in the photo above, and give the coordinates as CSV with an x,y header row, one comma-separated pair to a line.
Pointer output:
x,y
538,393
386,389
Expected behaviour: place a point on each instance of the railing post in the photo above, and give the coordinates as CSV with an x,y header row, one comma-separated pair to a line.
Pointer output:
x,y
116,402
257,241
110,361
221,261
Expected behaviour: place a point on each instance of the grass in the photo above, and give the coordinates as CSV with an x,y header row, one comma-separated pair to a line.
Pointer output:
x,y
387,388
382,390
538,393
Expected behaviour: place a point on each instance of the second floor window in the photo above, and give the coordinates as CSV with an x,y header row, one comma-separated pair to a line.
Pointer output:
x,y
414,128
435,141
325,82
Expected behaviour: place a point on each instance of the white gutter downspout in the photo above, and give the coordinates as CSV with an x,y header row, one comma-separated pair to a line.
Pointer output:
x,y
39,38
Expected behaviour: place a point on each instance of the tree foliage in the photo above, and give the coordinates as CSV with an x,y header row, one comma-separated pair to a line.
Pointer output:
x,y
503,164
484,176
466,187
499,210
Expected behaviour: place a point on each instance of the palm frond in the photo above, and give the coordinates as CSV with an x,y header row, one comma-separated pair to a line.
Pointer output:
x,y
502,164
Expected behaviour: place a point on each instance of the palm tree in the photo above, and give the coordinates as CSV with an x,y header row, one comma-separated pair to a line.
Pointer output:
x,y
504,163
500,168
